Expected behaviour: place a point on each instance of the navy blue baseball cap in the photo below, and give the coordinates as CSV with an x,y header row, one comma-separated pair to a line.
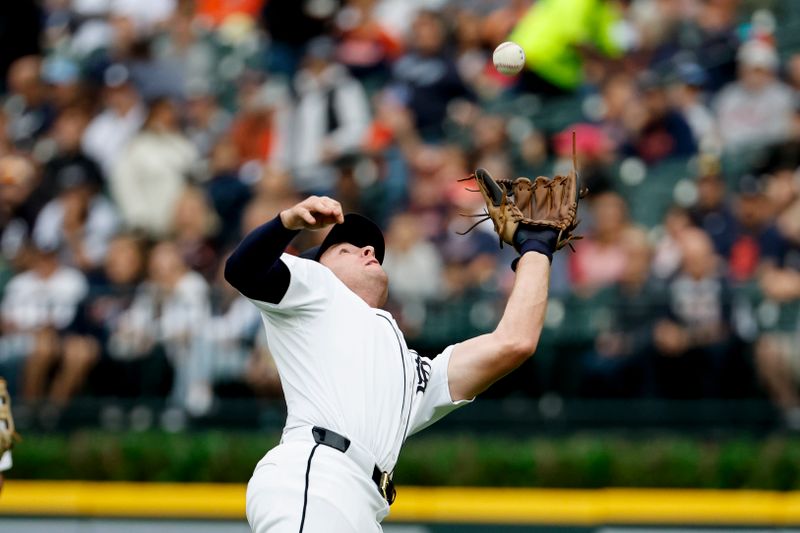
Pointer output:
x,y
357,230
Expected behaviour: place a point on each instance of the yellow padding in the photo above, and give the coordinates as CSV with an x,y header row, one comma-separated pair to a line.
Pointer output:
x,y
418,504
77,498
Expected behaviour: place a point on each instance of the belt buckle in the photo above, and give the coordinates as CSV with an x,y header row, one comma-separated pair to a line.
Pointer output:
x,y
384,486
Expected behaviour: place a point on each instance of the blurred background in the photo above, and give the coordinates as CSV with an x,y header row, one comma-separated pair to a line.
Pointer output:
x,y
141,139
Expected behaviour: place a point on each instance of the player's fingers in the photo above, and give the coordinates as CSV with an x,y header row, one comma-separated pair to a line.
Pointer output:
x,y
322,205
326,202
306,215
335,208
330,208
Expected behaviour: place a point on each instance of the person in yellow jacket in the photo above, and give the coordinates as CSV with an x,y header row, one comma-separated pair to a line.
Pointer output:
x,y
556,35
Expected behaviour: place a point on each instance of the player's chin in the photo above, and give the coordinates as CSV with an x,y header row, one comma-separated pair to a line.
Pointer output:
x,y
376,271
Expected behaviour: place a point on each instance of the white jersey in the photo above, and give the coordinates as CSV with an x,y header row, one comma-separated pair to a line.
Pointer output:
x,y
5,461
345,365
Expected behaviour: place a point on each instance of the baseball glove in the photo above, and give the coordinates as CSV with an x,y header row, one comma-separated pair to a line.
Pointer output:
x,y
539,204
7,434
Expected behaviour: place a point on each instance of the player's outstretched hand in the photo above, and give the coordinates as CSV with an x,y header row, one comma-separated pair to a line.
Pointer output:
x,y
315,212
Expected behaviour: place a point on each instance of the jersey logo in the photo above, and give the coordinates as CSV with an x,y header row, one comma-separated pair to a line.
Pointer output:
x,y
423,373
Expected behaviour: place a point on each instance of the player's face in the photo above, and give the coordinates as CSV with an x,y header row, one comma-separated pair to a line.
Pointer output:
x,y
359,269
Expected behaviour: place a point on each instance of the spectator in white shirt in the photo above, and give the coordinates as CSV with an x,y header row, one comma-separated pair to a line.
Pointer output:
x,y
152,172
37,305
330,120
171,308
757,108
109,132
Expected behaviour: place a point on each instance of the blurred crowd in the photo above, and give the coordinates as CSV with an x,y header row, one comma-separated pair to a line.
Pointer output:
x,y
141,139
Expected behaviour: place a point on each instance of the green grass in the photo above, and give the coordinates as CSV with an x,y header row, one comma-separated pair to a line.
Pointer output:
x,y
580,461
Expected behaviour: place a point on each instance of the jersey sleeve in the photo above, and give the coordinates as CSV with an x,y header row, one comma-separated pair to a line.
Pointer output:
x,y
310,286
432,401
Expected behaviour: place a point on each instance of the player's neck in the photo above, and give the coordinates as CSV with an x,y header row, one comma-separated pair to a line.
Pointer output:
x,y
370,297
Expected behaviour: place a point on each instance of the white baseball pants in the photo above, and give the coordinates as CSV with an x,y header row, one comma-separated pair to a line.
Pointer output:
x,y
304,487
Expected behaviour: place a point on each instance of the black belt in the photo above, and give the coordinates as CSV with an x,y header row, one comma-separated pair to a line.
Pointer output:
x,y
383,480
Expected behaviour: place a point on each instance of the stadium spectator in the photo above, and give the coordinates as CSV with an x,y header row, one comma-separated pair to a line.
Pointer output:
x,y
195,227
227,193
692,342
555,52
330,120
291,25
67,133
29,112
365,46
668,254
704,31
688,96
155,334
78,222
19,207
207,123
489,137
64,84
110,131
86,338
595,153
186,51
757,237
757,108
154,77
659,131
472,57
621,109
151,173
426,78
412,262
778,348
599,260
229,354
621,365
712,210
37,305
261,127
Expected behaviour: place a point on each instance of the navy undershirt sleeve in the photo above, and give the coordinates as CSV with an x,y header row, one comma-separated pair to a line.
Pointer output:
x,y
255,268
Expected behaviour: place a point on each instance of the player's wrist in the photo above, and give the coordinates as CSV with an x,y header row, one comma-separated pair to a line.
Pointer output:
x,y
288,220
539,240
547,238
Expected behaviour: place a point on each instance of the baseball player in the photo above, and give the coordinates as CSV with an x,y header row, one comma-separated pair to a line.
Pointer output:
x,y
353,388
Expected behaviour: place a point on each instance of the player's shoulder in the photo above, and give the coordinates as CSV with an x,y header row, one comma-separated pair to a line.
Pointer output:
x,y
300,263
309,272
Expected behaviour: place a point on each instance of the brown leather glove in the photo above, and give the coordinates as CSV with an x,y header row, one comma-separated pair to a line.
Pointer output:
x,y
7,434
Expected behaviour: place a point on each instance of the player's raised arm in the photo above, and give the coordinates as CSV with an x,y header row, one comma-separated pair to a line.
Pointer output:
x,y
255,269
537,218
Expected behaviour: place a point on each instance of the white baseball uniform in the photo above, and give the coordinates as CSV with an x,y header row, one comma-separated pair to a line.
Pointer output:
x,y
5,458
5,461
344,366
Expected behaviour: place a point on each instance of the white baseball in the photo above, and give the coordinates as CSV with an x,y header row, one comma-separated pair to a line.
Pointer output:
x,y
508,58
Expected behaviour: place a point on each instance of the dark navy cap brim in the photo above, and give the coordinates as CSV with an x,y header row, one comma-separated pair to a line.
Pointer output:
x,y
311,253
